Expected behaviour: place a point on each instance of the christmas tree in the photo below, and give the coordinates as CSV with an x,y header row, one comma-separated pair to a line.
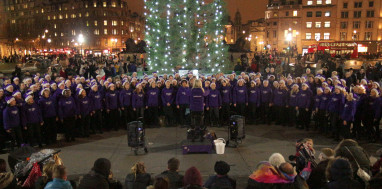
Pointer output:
x,y
185,34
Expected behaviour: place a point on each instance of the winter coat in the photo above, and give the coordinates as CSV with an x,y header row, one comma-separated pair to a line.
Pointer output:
x,y
58,184
31,114
94,180
137,181
183,96
358,152
217,181
48,107
175,179
197,100
11,117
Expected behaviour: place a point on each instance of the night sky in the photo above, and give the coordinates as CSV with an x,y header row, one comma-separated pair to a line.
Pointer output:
x,y
249,9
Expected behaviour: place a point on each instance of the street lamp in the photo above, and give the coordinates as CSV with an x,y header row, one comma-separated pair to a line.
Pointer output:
x,y
81,40
49,41
46,31
355,34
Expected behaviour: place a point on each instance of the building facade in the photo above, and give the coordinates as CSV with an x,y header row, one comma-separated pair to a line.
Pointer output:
x,y
306,23
95,26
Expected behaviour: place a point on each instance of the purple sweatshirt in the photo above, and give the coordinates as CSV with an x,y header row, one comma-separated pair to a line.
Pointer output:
x,y
96,100
167,96
324,100
66,107
240,95
183,96
125,97
197,100
84,106
254,94
349,111
374,107
266,95
226,94
292,99
31,114
48,107
11,117
138,100
280,97
304,98
152,97
336,103
214,99
111,100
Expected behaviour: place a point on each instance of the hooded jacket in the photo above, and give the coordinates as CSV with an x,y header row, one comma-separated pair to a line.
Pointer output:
x,y
357,151
340,176
137,181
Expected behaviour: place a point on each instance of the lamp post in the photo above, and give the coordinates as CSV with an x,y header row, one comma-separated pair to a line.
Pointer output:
x,y
81,40
355,34
49,41
317,39
289,38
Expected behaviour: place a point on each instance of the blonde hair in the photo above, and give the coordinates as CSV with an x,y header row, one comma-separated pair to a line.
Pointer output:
x,y
198,84
138,168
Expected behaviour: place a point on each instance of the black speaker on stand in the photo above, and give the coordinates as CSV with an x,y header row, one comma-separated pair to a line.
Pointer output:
x,y
236,132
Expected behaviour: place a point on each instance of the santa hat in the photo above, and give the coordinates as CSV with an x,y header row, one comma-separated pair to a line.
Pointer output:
x,y
328,88
63,91
93,86
295,85
8,87
320,90
15,93
44,89
79,86
28,97
46,76
79,91
15,78
109,85
339,87
9,99
304,84
376,83
61,83
124,83
376,91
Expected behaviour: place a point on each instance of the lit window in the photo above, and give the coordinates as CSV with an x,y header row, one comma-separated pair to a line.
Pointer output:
x,y
104,4
95,4
327,13
318,24
60,17
54,17
73,16
317,35
114,4
115,32
87,23
308,36
121,32
87,14
326,35
86,5
48,17
95,23
66,15
55,26
310,2
55,34
73,32
96,32
309,25
121,23
42,10
114,23
319,2
13,21
105,22
79,15
327,24
328,2
62,34
105,31
295,13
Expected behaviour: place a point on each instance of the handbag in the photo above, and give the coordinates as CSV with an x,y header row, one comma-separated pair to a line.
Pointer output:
x,y
360,172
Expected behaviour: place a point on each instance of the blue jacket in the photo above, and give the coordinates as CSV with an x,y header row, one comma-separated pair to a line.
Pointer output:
x,y
96,100
66,107
125,97
266,95
138,100
48,107
240,95
58,184
336,103
197,100
111,100
31,114
304,98
183,96
152,97
167,96
349,111
84,106
11,117
226,94
214,99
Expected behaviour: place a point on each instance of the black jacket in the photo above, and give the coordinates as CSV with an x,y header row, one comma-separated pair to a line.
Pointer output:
x,y
317,178
94,180
216,182
176,179
41,182
139,181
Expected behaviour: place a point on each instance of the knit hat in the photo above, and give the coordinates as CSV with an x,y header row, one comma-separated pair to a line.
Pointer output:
x,y
221,168
9,99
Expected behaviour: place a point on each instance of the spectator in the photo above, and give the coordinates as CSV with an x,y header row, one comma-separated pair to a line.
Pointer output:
x,y
59,179
161,183
47,175
340,175
276,159
99,176
221,180
317,178
138,178
192,179
175,179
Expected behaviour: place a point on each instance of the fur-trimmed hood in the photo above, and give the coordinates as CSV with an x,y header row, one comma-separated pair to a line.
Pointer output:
x,y
5,179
